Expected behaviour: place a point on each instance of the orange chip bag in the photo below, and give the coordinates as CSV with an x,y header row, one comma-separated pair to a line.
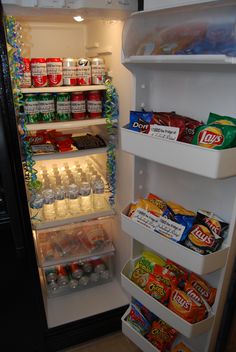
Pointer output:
x,y
196,297
157,289
161,335
132,208
181,347
185,307
160,203
178,270
207,292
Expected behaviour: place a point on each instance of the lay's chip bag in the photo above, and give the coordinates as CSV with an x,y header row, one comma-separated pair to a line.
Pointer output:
x,y
217,136
221,120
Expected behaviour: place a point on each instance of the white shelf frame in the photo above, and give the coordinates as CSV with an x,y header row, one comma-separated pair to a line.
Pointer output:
x,y
62,89
181,59
200,264
72,154
66,125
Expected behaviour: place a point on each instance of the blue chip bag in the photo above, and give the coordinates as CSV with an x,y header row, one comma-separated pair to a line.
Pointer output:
x,y
139,121
138,321
146,313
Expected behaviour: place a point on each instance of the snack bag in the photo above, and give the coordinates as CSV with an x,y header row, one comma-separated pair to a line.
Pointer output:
x,y
138,321
140,121
206,234
196,297
149,260
215,119
176,222
185,306
215,136
181,347
161,335
147,205
146,313
178,270
157,289
140,277
160,203
207,292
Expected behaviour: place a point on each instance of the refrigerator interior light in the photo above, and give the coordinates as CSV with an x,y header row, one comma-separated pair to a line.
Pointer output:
x,y
78,18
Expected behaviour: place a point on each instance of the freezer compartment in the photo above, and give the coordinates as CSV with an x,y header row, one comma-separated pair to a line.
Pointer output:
x,y
186,30
200,264
215,164
74,241
178,323
78,275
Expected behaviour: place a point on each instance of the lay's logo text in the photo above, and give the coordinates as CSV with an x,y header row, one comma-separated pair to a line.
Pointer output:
x,y
202,236
181,300
210,138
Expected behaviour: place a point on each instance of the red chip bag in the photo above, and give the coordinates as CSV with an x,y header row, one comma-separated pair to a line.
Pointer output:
x,y
207,292
161,335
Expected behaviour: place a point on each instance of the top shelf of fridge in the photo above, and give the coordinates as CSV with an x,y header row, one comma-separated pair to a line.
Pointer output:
x,y
63,89
196,34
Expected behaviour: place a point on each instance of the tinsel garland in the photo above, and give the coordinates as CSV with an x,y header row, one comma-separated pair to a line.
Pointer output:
x,y
112,116
14,44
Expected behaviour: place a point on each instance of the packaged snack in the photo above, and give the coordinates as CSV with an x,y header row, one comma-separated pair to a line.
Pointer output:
x,y
140,121
176,222
207,292
186,126
147,205
215,136
160,203
161,335
206,235
185,306
181,347
88,141
221,120
179,272
43,148
157,289
146,313
196,297
140,277
149,261
132,208
138,321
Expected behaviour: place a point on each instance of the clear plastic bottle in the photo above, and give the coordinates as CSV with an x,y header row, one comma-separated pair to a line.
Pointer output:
x,y
99,201
36,207
49,209
73,199
61,202
85,196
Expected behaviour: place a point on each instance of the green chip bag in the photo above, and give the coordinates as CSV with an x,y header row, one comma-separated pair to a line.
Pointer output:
x,y
221,120
215,136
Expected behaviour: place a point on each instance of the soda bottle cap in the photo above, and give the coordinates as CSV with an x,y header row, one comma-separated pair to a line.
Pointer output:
x,y
85,188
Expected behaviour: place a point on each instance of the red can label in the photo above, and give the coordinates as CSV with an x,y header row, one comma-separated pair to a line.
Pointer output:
x,y
39,72
26,79
94,104
84,75
54,72
78,107
70,76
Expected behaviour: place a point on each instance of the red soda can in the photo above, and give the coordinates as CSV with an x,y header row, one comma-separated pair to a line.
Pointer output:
x,y
26,79
62,276
39,72
54,71
76,271
78,107
94,104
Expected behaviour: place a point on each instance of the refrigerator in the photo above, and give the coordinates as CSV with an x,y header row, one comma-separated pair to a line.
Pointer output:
x,y
57,315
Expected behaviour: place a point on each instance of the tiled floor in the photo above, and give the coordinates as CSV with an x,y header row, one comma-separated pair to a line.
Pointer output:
x,y
111,343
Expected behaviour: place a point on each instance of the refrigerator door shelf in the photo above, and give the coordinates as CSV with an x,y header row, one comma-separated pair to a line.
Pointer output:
x,y
78,241
108,211
65,125
193,261
215,164
178,323
180,59
140,340
63,89
88,280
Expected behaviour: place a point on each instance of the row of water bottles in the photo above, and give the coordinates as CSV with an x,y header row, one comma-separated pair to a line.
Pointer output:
x,y
68,193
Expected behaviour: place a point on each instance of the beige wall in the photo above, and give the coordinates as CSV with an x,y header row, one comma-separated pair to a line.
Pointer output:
x,y
53,39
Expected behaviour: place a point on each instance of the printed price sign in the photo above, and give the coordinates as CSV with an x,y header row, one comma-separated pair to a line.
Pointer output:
x,y
143,217
165,132
170,229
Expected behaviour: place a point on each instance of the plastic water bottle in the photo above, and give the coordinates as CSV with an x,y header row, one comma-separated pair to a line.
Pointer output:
x,y
73,199
61,202
36,208
98,194
49,209
85,196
